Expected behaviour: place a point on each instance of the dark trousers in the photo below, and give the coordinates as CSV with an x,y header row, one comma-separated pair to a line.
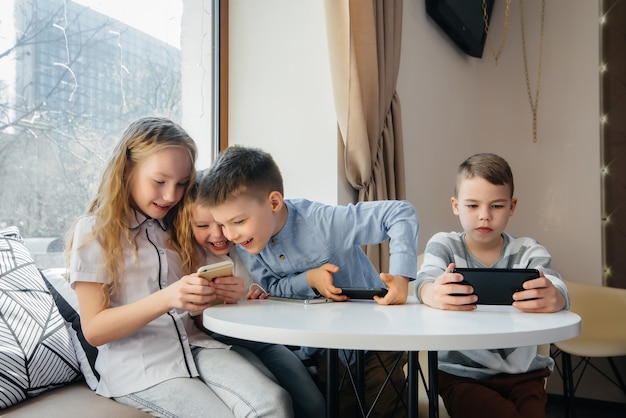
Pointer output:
x,y
503,395
393,399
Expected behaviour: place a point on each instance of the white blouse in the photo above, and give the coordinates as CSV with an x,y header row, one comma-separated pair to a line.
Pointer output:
x,y
161,349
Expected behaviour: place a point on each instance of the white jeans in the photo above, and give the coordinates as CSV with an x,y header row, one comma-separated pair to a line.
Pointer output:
x,y
228,386
280,362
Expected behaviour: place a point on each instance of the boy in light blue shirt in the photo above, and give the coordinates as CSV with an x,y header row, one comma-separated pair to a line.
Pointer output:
x,y
280,361
295,247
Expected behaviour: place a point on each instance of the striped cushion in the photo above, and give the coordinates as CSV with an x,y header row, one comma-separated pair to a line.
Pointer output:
x,y
36,352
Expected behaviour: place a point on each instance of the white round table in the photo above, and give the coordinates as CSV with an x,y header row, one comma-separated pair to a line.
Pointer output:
x,y
365,325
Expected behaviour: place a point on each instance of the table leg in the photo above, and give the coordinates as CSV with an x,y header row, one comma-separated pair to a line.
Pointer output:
x,y
332,382
568,385
413,370
433,385
332,371
360,382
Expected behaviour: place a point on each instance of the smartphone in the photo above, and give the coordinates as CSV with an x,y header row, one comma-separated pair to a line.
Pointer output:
x,y
210,272
305,301
496,286
363,292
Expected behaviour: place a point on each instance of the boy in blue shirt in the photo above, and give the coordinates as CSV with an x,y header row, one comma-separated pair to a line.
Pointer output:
x,y
295,247
282,363
489,383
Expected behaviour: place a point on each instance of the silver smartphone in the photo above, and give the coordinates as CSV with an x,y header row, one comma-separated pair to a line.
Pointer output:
x,y
305,300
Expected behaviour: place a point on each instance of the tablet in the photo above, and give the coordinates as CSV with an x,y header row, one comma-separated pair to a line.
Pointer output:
x,y
496,286
363,292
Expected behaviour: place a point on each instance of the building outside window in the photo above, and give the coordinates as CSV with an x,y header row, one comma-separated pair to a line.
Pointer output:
x,y
73,74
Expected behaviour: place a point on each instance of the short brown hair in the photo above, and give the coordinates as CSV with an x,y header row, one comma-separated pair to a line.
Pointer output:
x,y
491,167
239,170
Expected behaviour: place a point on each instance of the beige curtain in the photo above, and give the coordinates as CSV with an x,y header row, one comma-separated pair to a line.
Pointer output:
x,y
364,39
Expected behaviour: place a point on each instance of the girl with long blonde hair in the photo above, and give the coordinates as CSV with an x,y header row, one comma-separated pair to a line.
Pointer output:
x,y
129,262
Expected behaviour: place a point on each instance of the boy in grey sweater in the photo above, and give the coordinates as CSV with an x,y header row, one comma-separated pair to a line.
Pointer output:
x,y
489,383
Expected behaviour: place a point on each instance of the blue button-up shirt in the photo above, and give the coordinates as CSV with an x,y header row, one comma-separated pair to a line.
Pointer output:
x,y
316,234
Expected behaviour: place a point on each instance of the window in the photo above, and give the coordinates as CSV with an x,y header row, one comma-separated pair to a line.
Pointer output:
x,y
73,74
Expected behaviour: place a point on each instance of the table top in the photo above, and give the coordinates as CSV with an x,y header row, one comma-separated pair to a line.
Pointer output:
x,y
365,325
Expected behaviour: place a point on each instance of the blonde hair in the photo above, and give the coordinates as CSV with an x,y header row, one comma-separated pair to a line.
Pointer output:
x,y
111,206
197,258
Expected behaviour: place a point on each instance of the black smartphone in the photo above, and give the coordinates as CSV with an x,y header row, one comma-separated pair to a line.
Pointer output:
x,y
496,286
363,292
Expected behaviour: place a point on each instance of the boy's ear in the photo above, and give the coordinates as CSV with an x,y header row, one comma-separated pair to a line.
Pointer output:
x,y
455,205
276,201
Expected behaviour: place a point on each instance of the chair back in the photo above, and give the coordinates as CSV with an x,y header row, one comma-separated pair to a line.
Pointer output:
x,y
602,310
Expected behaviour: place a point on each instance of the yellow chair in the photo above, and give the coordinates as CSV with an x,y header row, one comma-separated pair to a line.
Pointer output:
x,y
602,335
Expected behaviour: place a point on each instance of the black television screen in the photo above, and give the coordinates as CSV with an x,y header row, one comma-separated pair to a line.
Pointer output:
x,y
463,21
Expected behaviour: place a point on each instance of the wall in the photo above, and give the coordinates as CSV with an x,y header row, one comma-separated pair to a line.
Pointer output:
x,y
280,95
